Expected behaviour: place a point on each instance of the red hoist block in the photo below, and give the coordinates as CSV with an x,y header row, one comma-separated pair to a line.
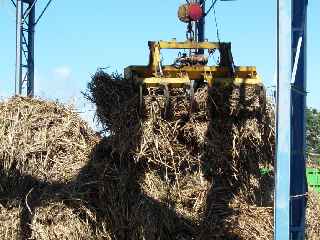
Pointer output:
x,y
195,12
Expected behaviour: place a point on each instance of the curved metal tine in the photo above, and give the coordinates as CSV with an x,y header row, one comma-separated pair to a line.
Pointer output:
x,y
185,91
192,101
167,102
141,99
263,98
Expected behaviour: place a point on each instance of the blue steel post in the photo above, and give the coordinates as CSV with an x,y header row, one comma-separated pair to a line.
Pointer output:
x,y
18,72
283,134
30,60
298,142
24,77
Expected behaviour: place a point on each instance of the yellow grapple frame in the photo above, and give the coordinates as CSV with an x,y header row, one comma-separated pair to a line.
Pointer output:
x,y
154,74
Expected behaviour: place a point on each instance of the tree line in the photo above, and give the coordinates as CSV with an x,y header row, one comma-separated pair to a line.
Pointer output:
x,y
313,130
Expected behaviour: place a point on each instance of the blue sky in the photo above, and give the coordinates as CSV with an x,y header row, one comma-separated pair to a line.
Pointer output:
x,y
76,37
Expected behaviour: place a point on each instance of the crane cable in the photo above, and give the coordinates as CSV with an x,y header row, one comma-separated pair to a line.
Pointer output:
x,y
216,22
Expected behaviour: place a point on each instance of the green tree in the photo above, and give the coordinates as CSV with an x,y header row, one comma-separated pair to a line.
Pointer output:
x,y
313,131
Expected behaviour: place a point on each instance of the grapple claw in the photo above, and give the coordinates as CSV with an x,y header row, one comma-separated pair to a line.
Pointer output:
x,y
167,102
192,101
141,99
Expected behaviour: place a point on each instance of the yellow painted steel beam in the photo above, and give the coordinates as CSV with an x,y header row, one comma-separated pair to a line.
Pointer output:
x,y
181,82
187,45
141,68
193,72
164,80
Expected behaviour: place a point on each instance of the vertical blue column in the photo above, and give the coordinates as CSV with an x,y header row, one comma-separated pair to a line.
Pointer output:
x,y
298,142
25,26
30,60
283,123
18,73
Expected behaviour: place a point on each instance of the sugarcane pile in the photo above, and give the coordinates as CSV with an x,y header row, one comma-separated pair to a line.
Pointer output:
x,y
34,130
313,216
44,149
197,174
186,176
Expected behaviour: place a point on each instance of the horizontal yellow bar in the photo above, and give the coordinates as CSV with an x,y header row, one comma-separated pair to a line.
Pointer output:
x,y
189,45
163,80
213,69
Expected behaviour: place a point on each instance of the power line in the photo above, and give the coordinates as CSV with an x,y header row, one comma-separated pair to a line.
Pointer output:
x,y
14,4
43,11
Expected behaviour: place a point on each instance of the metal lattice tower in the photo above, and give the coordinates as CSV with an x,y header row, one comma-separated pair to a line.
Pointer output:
x,y
25,47
25,28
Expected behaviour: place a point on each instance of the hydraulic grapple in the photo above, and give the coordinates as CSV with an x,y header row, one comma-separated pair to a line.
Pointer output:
x,y
190,69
